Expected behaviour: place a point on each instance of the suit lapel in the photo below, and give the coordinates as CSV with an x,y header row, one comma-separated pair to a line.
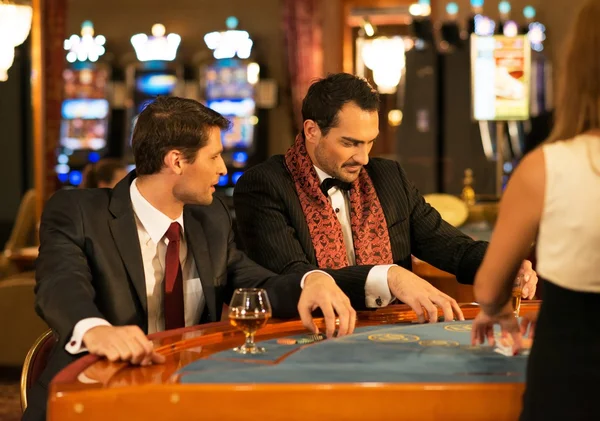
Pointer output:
x,y
124,232
198,243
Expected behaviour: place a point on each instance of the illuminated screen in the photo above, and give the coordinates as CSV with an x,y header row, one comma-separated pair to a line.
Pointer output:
x,y
501,77
228,82
233,107
88,109
154,84
240,112
240,135
79,134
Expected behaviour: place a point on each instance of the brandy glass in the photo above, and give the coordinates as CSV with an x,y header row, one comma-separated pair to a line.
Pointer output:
x,y
249,311
516,294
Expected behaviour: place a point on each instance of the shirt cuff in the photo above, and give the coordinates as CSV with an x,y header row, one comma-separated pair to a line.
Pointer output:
x,y
75,345
310,273
377,291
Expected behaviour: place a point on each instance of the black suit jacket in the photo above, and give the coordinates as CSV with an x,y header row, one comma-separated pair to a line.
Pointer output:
x,y
272,227
90,265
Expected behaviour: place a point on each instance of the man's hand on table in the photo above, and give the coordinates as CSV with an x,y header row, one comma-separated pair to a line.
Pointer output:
x,y
419,294
121,343
321,291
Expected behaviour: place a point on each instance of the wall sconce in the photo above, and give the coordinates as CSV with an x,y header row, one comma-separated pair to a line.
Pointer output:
x,y
15,24
386,58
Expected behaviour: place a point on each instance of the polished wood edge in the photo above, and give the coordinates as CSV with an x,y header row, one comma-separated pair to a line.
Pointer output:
x,y
27,365
295,387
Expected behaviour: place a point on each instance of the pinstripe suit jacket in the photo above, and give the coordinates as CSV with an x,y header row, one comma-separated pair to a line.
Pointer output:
x,y
273,230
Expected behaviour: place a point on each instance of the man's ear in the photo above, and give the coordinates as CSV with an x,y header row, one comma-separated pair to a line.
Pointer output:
x,y
173,161
312,132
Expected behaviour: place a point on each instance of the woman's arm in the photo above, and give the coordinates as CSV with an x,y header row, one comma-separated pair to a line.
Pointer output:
x,y
516,229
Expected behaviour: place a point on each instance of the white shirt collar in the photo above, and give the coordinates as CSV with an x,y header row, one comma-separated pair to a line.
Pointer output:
x,y
154,221
321,174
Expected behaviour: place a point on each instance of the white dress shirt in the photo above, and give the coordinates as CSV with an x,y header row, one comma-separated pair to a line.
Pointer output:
x,y
377,291
151,227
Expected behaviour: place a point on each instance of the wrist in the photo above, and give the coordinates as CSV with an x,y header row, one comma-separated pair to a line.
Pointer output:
x,y
317,277
396,274
497,310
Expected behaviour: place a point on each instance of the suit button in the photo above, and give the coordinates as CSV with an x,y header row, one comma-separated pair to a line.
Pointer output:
x,y
379,302
337,210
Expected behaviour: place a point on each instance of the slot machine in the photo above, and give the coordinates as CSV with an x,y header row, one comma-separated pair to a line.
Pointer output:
x,y
464,143
154,74
229,86
85,110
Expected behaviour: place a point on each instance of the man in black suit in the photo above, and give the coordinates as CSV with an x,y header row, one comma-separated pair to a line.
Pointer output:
x,y
156,252
326,204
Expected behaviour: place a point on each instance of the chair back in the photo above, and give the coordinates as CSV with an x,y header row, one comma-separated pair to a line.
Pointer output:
x,y
24,232
35,363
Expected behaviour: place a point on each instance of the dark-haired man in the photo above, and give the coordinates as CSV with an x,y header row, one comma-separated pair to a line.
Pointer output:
x,y
326,205
156,252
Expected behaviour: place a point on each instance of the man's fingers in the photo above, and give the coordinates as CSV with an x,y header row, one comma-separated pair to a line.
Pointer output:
x,y
329,316
343,312
144,342
111,352
137,333
352,324
446,307
416,306
306,316
157,358
119,343
457,310
432,312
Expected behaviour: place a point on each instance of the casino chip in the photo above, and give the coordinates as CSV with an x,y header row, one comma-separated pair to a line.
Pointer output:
x,y
309,339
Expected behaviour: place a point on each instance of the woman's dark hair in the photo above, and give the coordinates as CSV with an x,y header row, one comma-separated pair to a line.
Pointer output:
x,y
169,123
326,97
102,171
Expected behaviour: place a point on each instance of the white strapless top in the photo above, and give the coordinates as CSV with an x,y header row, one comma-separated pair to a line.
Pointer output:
x,y
568,244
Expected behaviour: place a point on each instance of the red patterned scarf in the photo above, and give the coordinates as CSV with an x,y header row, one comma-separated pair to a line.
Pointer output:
x,y
369,227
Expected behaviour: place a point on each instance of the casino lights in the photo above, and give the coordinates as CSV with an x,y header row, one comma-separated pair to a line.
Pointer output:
x,y
504,8
420,9
229,43
156,47
15,24
452,10
386,58
484,26
510,29
529,12
537,36
86,47
477,6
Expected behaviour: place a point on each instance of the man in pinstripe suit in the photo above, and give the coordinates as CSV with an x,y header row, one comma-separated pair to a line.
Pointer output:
x,y
326,204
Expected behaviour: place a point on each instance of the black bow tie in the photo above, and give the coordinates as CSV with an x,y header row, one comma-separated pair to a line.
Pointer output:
x,y
329,183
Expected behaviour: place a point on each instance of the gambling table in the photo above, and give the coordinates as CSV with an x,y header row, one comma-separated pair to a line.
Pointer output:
x,y
390,368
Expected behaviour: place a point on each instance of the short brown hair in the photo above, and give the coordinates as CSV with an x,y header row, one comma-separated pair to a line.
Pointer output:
x,y
169,123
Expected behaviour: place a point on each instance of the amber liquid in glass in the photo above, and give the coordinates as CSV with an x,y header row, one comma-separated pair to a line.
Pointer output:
x,y
249,323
